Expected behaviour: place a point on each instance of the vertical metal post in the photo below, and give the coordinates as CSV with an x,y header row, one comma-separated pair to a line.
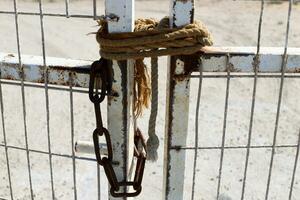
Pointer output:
x,y
120,115
181,13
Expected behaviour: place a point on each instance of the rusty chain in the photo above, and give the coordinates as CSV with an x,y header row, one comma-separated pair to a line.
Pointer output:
x,y
101,74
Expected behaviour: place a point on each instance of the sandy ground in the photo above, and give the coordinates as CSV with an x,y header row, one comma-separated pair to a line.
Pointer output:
x,y
232,23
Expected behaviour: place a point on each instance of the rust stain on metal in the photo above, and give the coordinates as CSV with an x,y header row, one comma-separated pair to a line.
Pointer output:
x,y
113,96
177,147
180,77
295,70
10,55
13,65
8,77
232,68
81,70
191,63
123,68
184,1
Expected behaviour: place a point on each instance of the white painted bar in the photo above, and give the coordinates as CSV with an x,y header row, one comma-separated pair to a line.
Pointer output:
x,y
59,69
242,57
120,116
86,147
213,61
177,110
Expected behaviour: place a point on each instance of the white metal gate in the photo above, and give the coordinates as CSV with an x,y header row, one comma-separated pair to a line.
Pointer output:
x,y
181,157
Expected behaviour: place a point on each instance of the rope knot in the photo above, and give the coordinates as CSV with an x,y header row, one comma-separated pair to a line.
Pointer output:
x,y
151,38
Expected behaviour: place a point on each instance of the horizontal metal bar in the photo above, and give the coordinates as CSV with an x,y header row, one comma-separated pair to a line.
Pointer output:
x,y
49,14
221,75
59,70
241,59
212,61
85,147
178,148
47,153
34,85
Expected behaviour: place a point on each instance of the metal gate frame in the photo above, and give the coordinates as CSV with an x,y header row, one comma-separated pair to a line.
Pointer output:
x,y
233,62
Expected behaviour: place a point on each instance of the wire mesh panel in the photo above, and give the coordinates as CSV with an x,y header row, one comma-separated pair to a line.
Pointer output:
x,y
243,135
37,148
238,166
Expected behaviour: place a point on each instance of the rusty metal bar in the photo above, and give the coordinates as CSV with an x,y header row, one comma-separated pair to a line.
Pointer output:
x,y
242,58
51,15
177,107
59,69
120,109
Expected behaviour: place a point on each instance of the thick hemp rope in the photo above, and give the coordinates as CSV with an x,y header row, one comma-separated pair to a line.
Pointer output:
x,y
151,38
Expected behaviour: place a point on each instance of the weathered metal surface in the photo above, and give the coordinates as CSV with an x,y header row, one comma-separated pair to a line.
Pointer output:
x,y
119,113
86,147
212,61
177,109
176,131
59,69
241,59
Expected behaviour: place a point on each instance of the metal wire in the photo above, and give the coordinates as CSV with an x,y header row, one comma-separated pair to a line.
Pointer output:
x,y
195,148
30,85
23,97
67,8
179,148
232,76
224,125
47,153
5,142
197,130
98,182
72,137
51,14
295,168
283,67
95,9
46,96
256,68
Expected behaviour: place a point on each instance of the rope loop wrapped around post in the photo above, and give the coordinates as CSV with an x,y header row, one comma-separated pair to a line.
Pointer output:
x,y
151,38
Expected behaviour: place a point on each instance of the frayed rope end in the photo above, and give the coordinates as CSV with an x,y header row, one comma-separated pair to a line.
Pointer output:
x,y
152,146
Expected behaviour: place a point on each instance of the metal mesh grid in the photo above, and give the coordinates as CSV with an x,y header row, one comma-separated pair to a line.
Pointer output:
x,y
228,76
46,87
255,75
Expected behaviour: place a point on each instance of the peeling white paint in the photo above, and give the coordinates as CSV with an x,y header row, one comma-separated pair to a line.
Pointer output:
x,y
214,60
120,114
179,67
183,10
177,113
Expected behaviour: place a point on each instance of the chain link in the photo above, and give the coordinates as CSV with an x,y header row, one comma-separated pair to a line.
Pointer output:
x,y
101,74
